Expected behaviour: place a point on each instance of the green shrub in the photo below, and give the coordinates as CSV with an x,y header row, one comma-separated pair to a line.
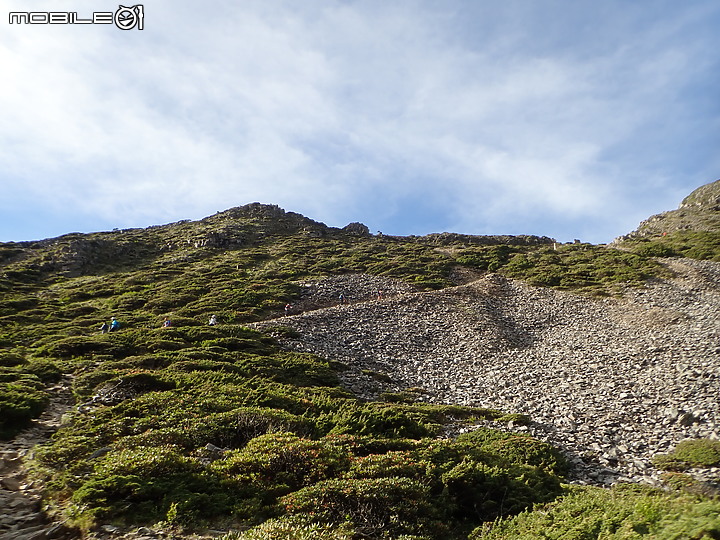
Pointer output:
x,y
387,465
109,344
45,370
375,508
253,346
703,245
10,359
652,249
67,449
484,492
130,383
10,306
295,527
490,258
699,452
690,453
280,463
297,369
688,484
578,266
625,511
157,482
514,449
235,428
21,400
377,420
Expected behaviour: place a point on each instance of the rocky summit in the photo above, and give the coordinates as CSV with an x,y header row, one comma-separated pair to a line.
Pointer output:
x,y
268,376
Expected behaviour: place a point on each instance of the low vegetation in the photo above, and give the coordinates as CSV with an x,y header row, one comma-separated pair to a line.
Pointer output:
x,y
223,425
626,511
586,268
690,453
702,245
196,425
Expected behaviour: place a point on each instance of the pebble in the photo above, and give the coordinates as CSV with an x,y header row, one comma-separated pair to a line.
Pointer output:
x,y
615,381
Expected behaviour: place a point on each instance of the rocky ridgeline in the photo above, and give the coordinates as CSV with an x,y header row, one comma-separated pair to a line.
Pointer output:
x,y
613,382
699,211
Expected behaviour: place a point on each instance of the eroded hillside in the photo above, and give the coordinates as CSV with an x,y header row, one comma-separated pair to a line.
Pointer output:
x,y
613,381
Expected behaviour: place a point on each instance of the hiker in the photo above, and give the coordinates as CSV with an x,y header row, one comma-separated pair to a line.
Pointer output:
x,y
213,320
103,328
342,298
166,323
114,325
288,307
380,294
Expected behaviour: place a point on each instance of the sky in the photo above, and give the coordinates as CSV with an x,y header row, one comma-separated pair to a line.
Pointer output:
x,y
564,118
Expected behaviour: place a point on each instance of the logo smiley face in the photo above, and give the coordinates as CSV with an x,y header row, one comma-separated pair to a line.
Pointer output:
x,y
127,18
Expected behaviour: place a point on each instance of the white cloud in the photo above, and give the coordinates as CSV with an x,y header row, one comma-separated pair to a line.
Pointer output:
x,y
321,106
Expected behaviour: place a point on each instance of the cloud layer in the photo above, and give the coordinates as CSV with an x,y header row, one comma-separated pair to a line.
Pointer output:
x,y
413,117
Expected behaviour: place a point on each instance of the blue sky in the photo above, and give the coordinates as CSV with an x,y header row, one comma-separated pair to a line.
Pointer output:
x,y
571,119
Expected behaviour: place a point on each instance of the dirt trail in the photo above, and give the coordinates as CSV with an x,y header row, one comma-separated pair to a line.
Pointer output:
x,y
21,515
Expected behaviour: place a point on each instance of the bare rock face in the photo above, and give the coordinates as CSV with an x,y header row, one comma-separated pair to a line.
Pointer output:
x,y
356,229
613,382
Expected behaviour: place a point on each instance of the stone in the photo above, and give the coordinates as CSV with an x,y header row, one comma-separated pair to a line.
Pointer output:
x,y
100,452
687,419
17,502
609,378
11,483
356,229
36,532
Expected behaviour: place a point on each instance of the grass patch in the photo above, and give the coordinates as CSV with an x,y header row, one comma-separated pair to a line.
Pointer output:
x,y
626,511
690,453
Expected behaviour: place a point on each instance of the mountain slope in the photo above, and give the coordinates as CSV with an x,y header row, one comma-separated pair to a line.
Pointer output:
x,y
612,381
699,211
341,419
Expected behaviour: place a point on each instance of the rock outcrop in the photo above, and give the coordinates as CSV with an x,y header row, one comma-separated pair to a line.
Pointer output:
x,y
699,211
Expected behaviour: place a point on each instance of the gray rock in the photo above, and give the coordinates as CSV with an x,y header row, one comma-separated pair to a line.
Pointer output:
x,y
687,419
100,452
11,483
606,379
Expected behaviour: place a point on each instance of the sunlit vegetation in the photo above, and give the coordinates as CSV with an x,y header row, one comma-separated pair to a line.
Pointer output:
x,y
195,425
626,511
702,245
580,267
